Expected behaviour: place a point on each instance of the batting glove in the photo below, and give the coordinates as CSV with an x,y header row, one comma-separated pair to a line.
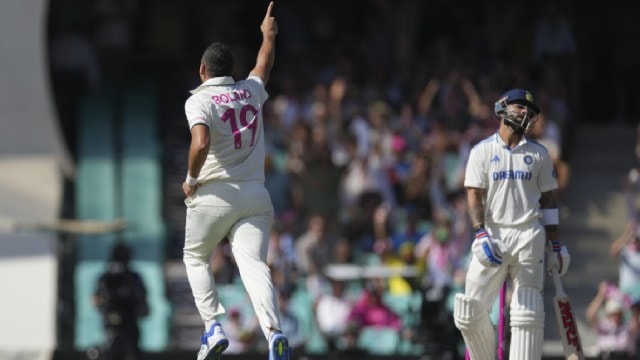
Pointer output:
x,y
487,250
558,257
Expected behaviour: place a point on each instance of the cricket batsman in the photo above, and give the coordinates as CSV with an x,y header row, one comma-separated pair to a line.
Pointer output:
x,y
510,182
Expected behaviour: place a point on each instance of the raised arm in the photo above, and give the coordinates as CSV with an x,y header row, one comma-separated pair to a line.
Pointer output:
x,y
622,241
595,304
266,53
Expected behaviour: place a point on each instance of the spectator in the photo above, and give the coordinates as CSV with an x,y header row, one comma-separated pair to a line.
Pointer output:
x,y
222,264
289,320
314,246
399,165
281,256
409,229
398,260
121,297
331,312
616,334
631,183
416,193
380,133
351,350
370,310
343,252
313,252
440,255
278,183
320,180
242,333
626,250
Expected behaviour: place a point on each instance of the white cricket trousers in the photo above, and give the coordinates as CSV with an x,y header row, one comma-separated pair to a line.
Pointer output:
x,y
243,213
523,261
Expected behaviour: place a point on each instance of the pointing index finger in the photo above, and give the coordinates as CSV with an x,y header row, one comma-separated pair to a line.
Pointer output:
x,y
269,10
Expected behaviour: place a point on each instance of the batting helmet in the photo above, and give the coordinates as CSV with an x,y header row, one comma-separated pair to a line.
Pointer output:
x,y
521,97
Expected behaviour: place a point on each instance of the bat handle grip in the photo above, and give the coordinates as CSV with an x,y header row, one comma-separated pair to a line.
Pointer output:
x,y
557,283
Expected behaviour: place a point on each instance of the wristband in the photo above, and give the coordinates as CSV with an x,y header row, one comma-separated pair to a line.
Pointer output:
x,y
555,245
481,232
550,216
191,181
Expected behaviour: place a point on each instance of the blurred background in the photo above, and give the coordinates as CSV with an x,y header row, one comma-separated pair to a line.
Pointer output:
x,y
373,108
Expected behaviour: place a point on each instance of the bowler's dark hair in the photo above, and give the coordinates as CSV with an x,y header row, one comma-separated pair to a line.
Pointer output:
x,y
218,60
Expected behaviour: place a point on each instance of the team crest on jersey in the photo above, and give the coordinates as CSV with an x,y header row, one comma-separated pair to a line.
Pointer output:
x,y
528,160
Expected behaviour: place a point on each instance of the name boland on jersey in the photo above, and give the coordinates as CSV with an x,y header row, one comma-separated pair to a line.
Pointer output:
x,y
513,178
233,113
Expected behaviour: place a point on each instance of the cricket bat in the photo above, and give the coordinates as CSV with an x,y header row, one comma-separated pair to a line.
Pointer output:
x,y
502,326
567,325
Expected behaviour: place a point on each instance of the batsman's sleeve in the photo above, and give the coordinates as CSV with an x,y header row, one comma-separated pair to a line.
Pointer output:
x,y
475,172
547,179
195,112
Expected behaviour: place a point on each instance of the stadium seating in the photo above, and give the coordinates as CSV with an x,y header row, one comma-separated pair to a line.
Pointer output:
x,y
119,175
141,201
95,193
379,340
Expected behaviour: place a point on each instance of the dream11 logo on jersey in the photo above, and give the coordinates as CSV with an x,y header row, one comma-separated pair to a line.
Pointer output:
x,y
514,174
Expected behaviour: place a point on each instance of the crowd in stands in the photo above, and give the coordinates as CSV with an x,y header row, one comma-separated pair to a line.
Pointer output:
x,y
374,106
614,312
368,134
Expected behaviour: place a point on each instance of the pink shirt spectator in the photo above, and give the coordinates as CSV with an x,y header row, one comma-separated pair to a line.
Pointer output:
x,y
614,337
369,310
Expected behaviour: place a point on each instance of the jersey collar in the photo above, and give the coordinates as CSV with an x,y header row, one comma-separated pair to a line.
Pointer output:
x,y
222,80
504,144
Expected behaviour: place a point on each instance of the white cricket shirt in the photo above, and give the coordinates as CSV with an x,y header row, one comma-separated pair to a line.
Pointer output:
x,y
233,113
513,178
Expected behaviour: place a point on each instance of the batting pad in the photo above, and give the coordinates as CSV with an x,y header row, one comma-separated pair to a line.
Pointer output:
x,y
472,319
527,324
